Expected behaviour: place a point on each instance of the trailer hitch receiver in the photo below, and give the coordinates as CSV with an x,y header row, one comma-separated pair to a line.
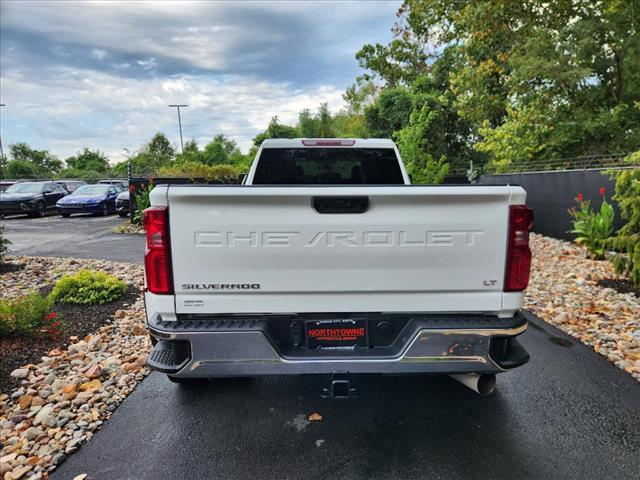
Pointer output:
x,y
339,387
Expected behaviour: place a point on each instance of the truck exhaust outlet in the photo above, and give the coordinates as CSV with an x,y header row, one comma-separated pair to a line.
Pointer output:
x,y
483,384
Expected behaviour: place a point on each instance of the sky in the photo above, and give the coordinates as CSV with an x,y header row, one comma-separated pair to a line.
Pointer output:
x,y
102,74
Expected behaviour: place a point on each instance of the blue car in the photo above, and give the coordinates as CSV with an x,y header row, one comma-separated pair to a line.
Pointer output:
x,y
98,199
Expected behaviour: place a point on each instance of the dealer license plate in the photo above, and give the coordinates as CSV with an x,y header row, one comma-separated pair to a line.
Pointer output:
x,y
336,334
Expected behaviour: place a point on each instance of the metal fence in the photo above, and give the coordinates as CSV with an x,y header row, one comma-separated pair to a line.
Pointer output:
x,y
584,162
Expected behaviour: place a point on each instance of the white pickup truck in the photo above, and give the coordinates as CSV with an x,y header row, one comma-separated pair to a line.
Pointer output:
x,y
328,261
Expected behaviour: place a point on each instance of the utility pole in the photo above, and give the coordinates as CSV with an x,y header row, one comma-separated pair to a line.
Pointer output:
x,y
4,160
128,155
180,124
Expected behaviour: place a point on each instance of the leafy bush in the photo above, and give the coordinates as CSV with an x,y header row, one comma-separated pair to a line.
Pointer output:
x,y
88,288
593,228
627,241
142,199
4,245
218,173
28,314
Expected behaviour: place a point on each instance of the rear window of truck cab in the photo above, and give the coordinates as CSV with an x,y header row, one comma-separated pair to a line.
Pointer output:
x,y
328,166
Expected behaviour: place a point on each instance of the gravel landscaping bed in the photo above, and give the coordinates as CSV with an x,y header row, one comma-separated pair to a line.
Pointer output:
x,y
79,321
69,392
574,294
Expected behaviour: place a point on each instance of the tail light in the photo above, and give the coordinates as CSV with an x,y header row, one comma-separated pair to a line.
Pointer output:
x,y
518,251
157,257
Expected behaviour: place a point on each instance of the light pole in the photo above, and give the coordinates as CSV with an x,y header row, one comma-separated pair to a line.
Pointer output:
x,y
128,155
180,124
4,160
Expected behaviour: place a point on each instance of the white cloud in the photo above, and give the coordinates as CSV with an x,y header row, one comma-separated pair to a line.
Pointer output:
x,y
102,75
99,110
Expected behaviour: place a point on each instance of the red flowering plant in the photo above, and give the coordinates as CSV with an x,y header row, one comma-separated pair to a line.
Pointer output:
x,y
592,228
52,325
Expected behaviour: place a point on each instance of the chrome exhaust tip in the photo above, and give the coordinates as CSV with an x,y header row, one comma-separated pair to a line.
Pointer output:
x,y
483,384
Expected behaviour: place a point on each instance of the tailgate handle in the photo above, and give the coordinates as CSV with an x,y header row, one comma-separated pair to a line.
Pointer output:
x,y
341,204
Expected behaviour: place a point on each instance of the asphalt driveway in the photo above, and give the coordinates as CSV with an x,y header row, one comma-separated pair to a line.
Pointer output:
x,y
567,414
79,236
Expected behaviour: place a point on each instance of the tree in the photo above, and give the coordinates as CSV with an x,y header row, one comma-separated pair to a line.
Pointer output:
x,y
320,125
219,150
43,162
21,169
422,142
520,80
389,113
160,148
360,95
89,160
276,130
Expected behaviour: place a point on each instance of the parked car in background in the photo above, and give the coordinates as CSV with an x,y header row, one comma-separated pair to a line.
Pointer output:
x,y
71,185
30,198
122,203
98,199
121,182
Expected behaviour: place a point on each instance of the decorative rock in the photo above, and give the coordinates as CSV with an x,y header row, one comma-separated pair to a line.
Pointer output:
x,y
18,472
32,433
20,373
45,416
44,393
93,343
94,372
81,346
25,401
92,385
71,388
57,385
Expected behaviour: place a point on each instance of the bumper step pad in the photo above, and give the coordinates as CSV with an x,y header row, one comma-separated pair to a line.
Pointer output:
x,y
169,357
515,356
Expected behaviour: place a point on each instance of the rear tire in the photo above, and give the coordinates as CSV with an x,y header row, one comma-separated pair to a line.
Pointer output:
x,y
40,212
123,214
105,210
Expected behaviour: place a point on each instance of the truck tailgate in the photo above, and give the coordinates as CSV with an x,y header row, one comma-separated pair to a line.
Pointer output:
x,y
250,249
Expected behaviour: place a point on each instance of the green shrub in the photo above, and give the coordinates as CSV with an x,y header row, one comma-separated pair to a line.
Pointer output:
x,y
88,288
222,172
28,314
593,228
626,243
4,245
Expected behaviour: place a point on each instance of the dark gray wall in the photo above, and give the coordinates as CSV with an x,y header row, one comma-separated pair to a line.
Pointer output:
x,y
551,194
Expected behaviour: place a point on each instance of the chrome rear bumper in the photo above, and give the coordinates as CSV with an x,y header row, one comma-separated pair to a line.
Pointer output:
x,y
245,349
